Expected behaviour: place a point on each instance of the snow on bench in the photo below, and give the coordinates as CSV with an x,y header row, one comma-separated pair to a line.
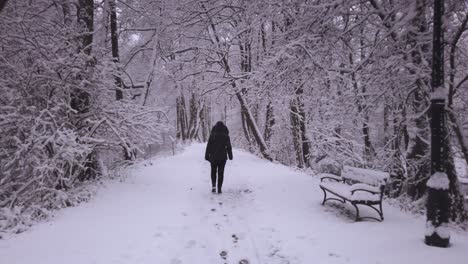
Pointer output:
x,y
357,186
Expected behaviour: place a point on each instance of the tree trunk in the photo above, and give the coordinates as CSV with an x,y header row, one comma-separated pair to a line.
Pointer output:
x,y
296,132
251,123
204,122
248,116
194,115
245,128
182,126
269,123
85,15
418,160
80,97
2,4
115,48
451,113
457,129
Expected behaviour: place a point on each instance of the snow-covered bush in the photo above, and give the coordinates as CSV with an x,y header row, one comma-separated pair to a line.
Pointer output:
x,y
327,165
57,114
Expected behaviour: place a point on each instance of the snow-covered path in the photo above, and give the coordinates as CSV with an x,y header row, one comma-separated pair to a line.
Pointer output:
x,y
268,213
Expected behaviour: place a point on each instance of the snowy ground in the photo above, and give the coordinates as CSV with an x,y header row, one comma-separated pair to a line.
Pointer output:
x,y
268,213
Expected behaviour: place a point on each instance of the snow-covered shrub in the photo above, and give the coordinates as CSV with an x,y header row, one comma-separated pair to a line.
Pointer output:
x,y
327,165
57,113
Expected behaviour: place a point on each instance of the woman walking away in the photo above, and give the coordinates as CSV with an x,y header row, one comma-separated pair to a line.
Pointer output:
x,y
217,151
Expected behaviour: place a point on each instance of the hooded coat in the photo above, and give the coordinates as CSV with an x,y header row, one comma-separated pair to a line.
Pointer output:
x,y
219,144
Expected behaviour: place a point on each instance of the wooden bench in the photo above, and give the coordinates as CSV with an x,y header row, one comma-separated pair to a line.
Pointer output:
x,y
357,186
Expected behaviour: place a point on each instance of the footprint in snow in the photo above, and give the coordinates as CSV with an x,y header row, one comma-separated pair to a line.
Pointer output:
x,y
244,261
223,254
213,209
190,244
176,261
235,238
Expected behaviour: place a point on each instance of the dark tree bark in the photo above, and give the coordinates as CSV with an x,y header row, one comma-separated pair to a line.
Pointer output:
x,y
296,132
194,115
302,127
115,48
246,67
304,139
67,18
360,102
437,208
2,4
205,122
250,122
85,15
245,128
363,109
269,123
80,97
178,123
298,123
418,161
457,128
182,126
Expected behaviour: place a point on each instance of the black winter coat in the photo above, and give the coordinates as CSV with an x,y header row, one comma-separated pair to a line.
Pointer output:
x,y
219,144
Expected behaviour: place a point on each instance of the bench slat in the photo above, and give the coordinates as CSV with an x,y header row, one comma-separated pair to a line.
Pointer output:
x,y
371,177
364,186
328,175
344,190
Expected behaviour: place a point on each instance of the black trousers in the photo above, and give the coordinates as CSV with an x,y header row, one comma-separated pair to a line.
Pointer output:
x,y
217,166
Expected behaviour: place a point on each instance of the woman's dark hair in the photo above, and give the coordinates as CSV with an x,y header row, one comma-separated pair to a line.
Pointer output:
x,y
220,128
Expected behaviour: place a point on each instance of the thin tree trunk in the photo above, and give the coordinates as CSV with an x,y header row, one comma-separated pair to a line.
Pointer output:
x,y
451,113
245,128
302,126
457,128
249,118
269,123
80,98
85,15
2,4
453,50
115,48
296,132
418,160
182,131
204,113
255,131
194,115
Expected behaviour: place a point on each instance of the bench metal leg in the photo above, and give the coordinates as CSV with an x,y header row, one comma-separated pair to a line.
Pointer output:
x,y
357,211
355,204
324,195
381,211
331,198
